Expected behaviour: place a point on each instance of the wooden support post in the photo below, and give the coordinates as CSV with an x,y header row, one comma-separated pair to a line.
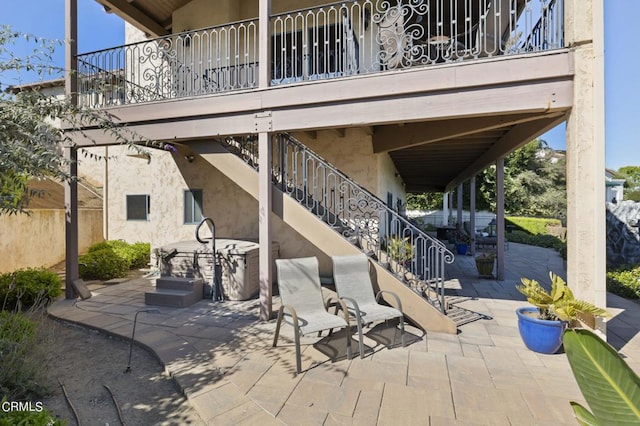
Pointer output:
x,y
445,209
264,223
586,213
459,207
472,213
70,152
500,218
264,70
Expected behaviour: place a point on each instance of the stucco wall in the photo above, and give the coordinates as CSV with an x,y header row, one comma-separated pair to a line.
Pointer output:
x,y
352,153
38,240
165,178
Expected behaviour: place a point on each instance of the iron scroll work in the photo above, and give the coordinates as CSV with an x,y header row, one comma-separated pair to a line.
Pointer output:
x,y
390,239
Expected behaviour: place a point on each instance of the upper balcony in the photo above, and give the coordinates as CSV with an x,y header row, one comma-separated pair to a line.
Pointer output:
x,y
340,40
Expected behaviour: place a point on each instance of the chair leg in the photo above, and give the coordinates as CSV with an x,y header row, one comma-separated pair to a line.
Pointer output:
x,y
360,340
277,333
296,334
402,339
349,351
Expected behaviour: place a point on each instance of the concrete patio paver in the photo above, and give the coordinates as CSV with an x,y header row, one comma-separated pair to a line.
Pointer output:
x,y
221,357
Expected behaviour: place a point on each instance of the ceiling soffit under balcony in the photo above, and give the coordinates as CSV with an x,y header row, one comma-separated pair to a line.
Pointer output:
x,y
154,17
442,164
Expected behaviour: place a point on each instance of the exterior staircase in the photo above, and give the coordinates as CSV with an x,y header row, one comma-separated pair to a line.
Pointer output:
x,y
344,218
176,292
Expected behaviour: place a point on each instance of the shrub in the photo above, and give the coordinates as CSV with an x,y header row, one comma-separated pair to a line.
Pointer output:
x,y
22,354
25,288
28,418
102,264
624,281
540,240
142,253
135,255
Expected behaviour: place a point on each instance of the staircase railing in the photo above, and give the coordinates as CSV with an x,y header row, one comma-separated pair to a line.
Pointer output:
x,y
415,257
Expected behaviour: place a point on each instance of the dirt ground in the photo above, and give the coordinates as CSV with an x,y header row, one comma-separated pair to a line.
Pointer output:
x,y
85,361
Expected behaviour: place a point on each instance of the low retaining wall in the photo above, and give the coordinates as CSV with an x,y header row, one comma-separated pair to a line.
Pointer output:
x,y
39,239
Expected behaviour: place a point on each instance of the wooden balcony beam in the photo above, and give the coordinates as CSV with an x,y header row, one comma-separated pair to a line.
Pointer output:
x,y
391,138
516,137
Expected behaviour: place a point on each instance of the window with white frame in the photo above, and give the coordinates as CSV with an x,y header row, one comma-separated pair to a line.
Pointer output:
x,y
192,205
138,207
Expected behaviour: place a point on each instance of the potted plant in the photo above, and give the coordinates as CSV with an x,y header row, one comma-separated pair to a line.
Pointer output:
x,y
485,262
541,326
462,242
400,250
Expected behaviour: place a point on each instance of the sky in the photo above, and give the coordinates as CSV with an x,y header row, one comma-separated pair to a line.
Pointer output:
x,y
99,30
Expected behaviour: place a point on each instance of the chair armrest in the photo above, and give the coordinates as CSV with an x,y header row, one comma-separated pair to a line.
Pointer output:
x,y
355,306
292,311
343,306
395,296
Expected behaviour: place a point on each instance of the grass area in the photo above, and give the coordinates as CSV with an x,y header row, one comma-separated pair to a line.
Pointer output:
x,y
536,232
532,225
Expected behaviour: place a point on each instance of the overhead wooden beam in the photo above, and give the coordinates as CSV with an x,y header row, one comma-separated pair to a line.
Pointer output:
x,y
391,138
515,138
135,16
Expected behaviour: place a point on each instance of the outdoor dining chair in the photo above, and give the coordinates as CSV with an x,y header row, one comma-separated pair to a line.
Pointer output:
x,y
303,305
353,285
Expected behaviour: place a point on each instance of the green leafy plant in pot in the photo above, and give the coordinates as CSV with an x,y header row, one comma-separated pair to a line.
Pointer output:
x,y
541,327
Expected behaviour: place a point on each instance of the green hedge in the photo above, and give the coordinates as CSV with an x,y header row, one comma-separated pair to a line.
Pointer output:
x,y
25,288
540,240
112,259
624,281
102,264
135,255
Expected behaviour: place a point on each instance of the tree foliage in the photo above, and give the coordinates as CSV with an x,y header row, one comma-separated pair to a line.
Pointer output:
x,y
31,145
534,182
631,174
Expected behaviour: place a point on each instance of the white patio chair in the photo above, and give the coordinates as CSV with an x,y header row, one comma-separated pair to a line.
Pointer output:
x,y
353,285
302,303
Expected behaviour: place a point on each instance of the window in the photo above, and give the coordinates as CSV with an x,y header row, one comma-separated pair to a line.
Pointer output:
x,y
138,207
192,205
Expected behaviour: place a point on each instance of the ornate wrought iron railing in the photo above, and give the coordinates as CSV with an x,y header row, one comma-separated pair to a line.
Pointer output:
x,y
210,60
330,41
386,236
548,30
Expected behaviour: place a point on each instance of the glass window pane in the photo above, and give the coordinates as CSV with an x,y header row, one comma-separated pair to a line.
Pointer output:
x,y
138,207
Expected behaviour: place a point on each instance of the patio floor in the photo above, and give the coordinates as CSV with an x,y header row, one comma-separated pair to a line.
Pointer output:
x,y
220,355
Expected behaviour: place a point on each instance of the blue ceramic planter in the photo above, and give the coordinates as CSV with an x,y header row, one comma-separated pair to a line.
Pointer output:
x,y
461,248
538,335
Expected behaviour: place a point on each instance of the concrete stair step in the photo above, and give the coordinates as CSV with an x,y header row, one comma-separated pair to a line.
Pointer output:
x,y
172,298
179,283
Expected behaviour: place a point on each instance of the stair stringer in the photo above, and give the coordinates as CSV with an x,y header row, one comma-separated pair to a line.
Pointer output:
x,y
415,307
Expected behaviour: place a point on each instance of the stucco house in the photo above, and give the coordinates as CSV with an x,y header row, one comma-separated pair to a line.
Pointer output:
x,y
307,123
615,187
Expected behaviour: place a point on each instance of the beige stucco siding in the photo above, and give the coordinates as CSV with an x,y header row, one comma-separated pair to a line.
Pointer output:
x,y
165,178
38,240
352,154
